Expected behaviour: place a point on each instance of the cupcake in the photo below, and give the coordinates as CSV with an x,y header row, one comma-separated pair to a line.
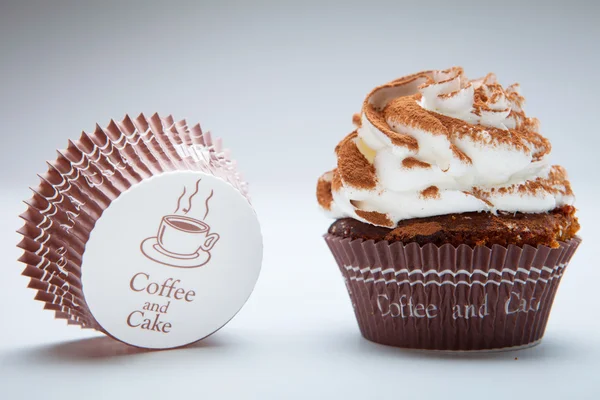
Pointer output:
x,y
452,230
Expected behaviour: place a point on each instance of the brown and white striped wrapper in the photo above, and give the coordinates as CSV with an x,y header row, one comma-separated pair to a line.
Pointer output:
x,y
85,179
451,298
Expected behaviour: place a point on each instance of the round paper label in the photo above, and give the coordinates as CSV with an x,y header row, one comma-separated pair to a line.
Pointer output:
x,y
172,260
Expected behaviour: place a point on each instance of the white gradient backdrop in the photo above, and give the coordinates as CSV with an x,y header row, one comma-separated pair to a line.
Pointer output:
x,y
279,81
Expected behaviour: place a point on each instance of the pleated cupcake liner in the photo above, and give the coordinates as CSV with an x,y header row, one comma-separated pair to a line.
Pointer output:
x,y
451,298
85,179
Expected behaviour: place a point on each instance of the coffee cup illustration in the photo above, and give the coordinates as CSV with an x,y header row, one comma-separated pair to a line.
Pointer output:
x,y
181,241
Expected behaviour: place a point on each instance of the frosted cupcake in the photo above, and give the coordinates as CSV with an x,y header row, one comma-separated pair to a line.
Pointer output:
x,y
452,229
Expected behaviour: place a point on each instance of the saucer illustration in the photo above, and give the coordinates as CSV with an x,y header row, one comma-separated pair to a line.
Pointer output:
x,y
182,241
152,250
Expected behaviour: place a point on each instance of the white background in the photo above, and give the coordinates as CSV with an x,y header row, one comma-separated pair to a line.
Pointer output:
x,y
279,82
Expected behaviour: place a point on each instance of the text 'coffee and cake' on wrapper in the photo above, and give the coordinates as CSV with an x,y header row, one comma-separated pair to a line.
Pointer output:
x,y
143,230
451,298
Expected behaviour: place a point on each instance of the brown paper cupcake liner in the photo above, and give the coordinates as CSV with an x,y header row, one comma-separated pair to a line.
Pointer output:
x,y
83,181
451,298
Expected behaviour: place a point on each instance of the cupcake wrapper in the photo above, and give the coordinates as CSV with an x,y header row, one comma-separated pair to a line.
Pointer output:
x,y
451,298
83,181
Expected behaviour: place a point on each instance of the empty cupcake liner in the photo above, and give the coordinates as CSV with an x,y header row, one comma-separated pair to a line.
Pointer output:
x,y
451,298
85,179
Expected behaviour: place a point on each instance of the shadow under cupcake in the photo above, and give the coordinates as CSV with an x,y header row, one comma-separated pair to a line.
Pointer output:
x,y
452,230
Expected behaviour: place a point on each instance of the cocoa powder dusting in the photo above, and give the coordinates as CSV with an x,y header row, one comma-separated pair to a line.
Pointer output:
x,y
540,144
411,162
376,218
394,107
398,139
353,135
477,194
556,183
406,111
324,195
354,169
404,80
460,155
452,94
459,129
432,192
336,181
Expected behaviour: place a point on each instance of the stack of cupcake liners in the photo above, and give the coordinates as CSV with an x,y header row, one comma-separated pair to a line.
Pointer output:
x,y
451,298
83,181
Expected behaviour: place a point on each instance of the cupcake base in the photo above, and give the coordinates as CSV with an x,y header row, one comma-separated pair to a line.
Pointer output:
x,y
451,298
481,351
470,228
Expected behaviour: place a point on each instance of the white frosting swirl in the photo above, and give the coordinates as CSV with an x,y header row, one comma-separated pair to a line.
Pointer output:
x,y
436,143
